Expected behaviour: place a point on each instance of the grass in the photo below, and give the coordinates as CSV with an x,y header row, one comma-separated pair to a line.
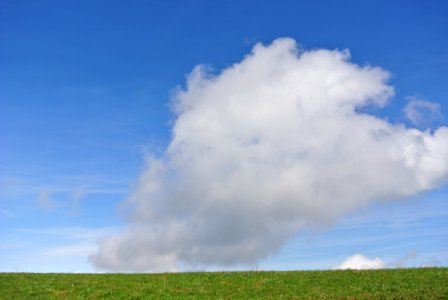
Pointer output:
x,y
425,283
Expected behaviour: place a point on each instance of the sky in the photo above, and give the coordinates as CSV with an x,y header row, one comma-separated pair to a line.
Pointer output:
x,y
153,136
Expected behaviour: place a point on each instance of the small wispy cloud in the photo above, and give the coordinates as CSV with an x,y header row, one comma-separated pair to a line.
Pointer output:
x,y
74,233
45,201
433,262
423,113
71,250
405,260
13,245
62,184
76,196
7,213
55,249
64,198
414,259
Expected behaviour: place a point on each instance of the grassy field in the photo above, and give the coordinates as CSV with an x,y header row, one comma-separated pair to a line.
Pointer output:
x,y
427,283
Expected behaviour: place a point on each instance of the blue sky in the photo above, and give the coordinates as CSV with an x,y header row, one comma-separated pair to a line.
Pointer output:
x,y
85,88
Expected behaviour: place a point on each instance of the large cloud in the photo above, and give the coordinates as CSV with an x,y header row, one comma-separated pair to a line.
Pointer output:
x,y
271,145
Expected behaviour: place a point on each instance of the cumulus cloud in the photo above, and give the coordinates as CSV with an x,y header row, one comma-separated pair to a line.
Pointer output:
x,y
423,113
361,262
271,145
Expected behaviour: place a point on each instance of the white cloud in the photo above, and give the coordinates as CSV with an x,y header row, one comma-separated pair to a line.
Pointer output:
x,y
423,113
361,262
270,146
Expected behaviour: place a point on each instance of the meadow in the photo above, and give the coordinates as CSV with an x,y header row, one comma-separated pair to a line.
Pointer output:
x,y
423,283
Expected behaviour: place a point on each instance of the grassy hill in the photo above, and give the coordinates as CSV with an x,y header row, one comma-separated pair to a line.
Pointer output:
x,y
425,283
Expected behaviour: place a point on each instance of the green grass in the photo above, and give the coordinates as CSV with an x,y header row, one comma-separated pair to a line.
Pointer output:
x,y
427,283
